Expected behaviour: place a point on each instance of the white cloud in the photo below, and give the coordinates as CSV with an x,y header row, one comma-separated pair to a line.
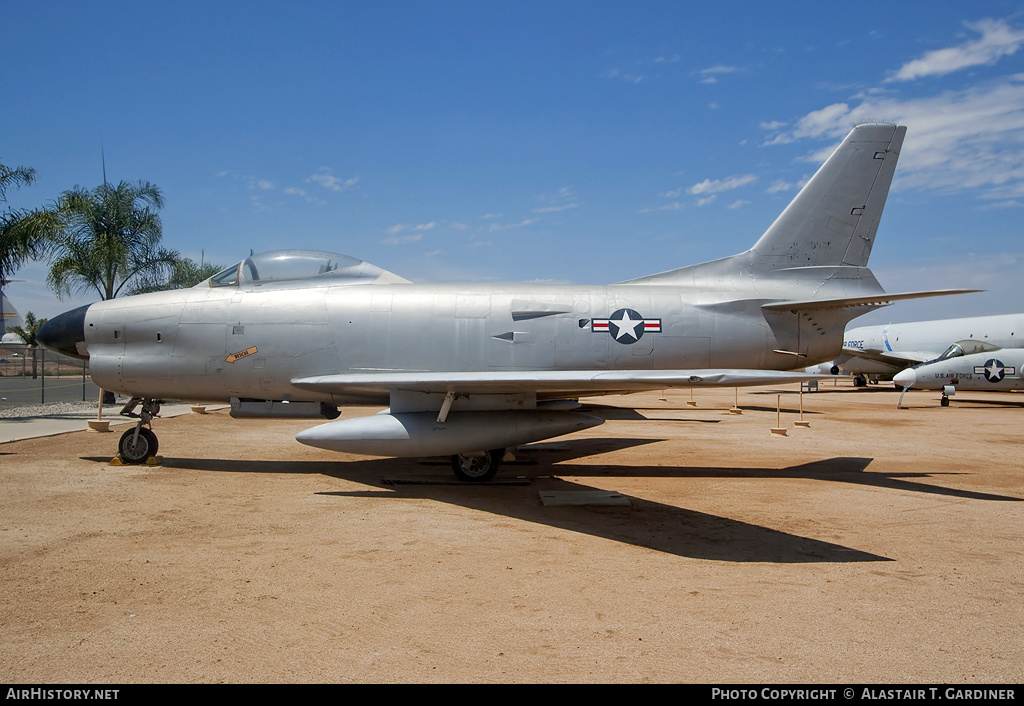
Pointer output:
x,y
402,239
967,138
561,200
720,69
325,178
494,227
554,209
624,76
296,191
421,228
997,40
781,185
673,206
709,186
414,237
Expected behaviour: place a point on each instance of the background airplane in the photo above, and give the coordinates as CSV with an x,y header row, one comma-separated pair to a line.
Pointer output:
x,y
468,370
9,317
879,352
967,365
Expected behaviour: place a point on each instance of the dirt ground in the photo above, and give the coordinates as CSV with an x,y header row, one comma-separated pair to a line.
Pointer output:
x,y
876,545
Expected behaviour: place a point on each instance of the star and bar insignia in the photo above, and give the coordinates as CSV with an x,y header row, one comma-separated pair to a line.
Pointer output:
x,y
994,370
626,326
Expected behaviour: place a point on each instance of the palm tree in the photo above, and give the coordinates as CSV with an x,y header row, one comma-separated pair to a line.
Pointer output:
x,y
18,237
27,333
107,239
185,273
14,176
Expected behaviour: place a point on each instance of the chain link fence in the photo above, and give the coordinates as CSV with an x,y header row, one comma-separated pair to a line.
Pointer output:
x,y
38,376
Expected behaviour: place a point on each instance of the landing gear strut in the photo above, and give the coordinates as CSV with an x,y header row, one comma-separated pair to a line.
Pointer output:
x,y
139,443
477,468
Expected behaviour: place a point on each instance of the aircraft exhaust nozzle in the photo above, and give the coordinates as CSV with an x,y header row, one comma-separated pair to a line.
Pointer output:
x,y
420,434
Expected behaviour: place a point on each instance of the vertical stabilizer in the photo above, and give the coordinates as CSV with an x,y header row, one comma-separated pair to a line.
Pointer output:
x,y
834,218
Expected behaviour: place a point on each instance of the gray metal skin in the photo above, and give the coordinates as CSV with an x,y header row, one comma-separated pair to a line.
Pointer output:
x,y
992,369
883,351
471,369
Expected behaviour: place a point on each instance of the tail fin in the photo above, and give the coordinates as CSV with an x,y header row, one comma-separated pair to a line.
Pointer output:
x,y
834,218
831,223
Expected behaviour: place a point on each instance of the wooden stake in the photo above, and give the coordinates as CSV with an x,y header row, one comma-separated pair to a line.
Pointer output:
x,y
778,417
801,422
736,408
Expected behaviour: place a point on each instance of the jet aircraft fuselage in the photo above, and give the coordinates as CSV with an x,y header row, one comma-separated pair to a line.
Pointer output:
x,y
254,341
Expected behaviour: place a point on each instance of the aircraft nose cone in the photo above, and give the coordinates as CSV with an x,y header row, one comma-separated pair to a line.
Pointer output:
x,y
905,378
65,332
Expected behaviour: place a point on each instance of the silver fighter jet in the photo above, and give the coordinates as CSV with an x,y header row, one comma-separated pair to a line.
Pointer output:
x,y
469,370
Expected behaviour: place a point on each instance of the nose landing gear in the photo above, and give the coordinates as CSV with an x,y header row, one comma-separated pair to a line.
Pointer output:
x,y
139,444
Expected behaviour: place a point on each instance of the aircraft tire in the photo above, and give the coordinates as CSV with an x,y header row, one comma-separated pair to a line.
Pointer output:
x,y
136,453
944,402
477,469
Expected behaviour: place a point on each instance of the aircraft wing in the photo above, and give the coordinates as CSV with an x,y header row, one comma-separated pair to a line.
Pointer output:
x,y
546,383
890,357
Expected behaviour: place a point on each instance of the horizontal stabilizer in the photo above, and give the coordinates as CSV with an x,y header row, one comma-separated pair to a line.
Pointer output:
x,y
880,299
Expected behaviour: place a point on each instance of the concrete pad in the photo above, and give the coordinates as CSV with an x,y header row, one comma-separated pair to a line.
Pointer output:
x,y
15,428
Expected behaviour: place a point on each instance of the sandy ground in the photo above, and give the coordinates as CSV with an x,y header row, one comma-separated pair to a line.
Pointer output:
x,y
877,545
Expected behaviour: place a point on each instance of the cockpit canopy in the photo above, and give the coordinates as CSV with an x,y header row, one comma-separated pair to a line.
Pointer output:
x,y
302,267
961,348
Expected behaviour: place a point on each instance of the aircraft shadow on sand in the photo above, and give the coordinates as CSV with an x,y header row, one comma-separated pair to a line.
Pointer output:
x,y
645,523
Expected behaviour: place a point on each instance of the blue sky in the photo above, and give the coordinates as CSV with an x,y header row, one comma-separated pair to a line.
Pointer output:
x,y
586,142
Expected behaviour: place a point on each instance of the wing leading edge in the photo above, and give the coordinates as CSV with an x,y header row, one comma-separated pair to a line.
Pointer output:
x,y
545,383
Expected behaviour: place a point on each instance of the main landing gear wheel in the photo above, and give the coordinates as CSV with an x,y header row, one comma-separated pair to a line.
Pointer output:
x,y
136,450
477,468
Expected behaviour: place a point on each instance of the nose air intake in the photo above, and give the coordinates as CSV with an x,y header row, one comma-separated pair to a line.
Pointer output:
x,y
65,333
